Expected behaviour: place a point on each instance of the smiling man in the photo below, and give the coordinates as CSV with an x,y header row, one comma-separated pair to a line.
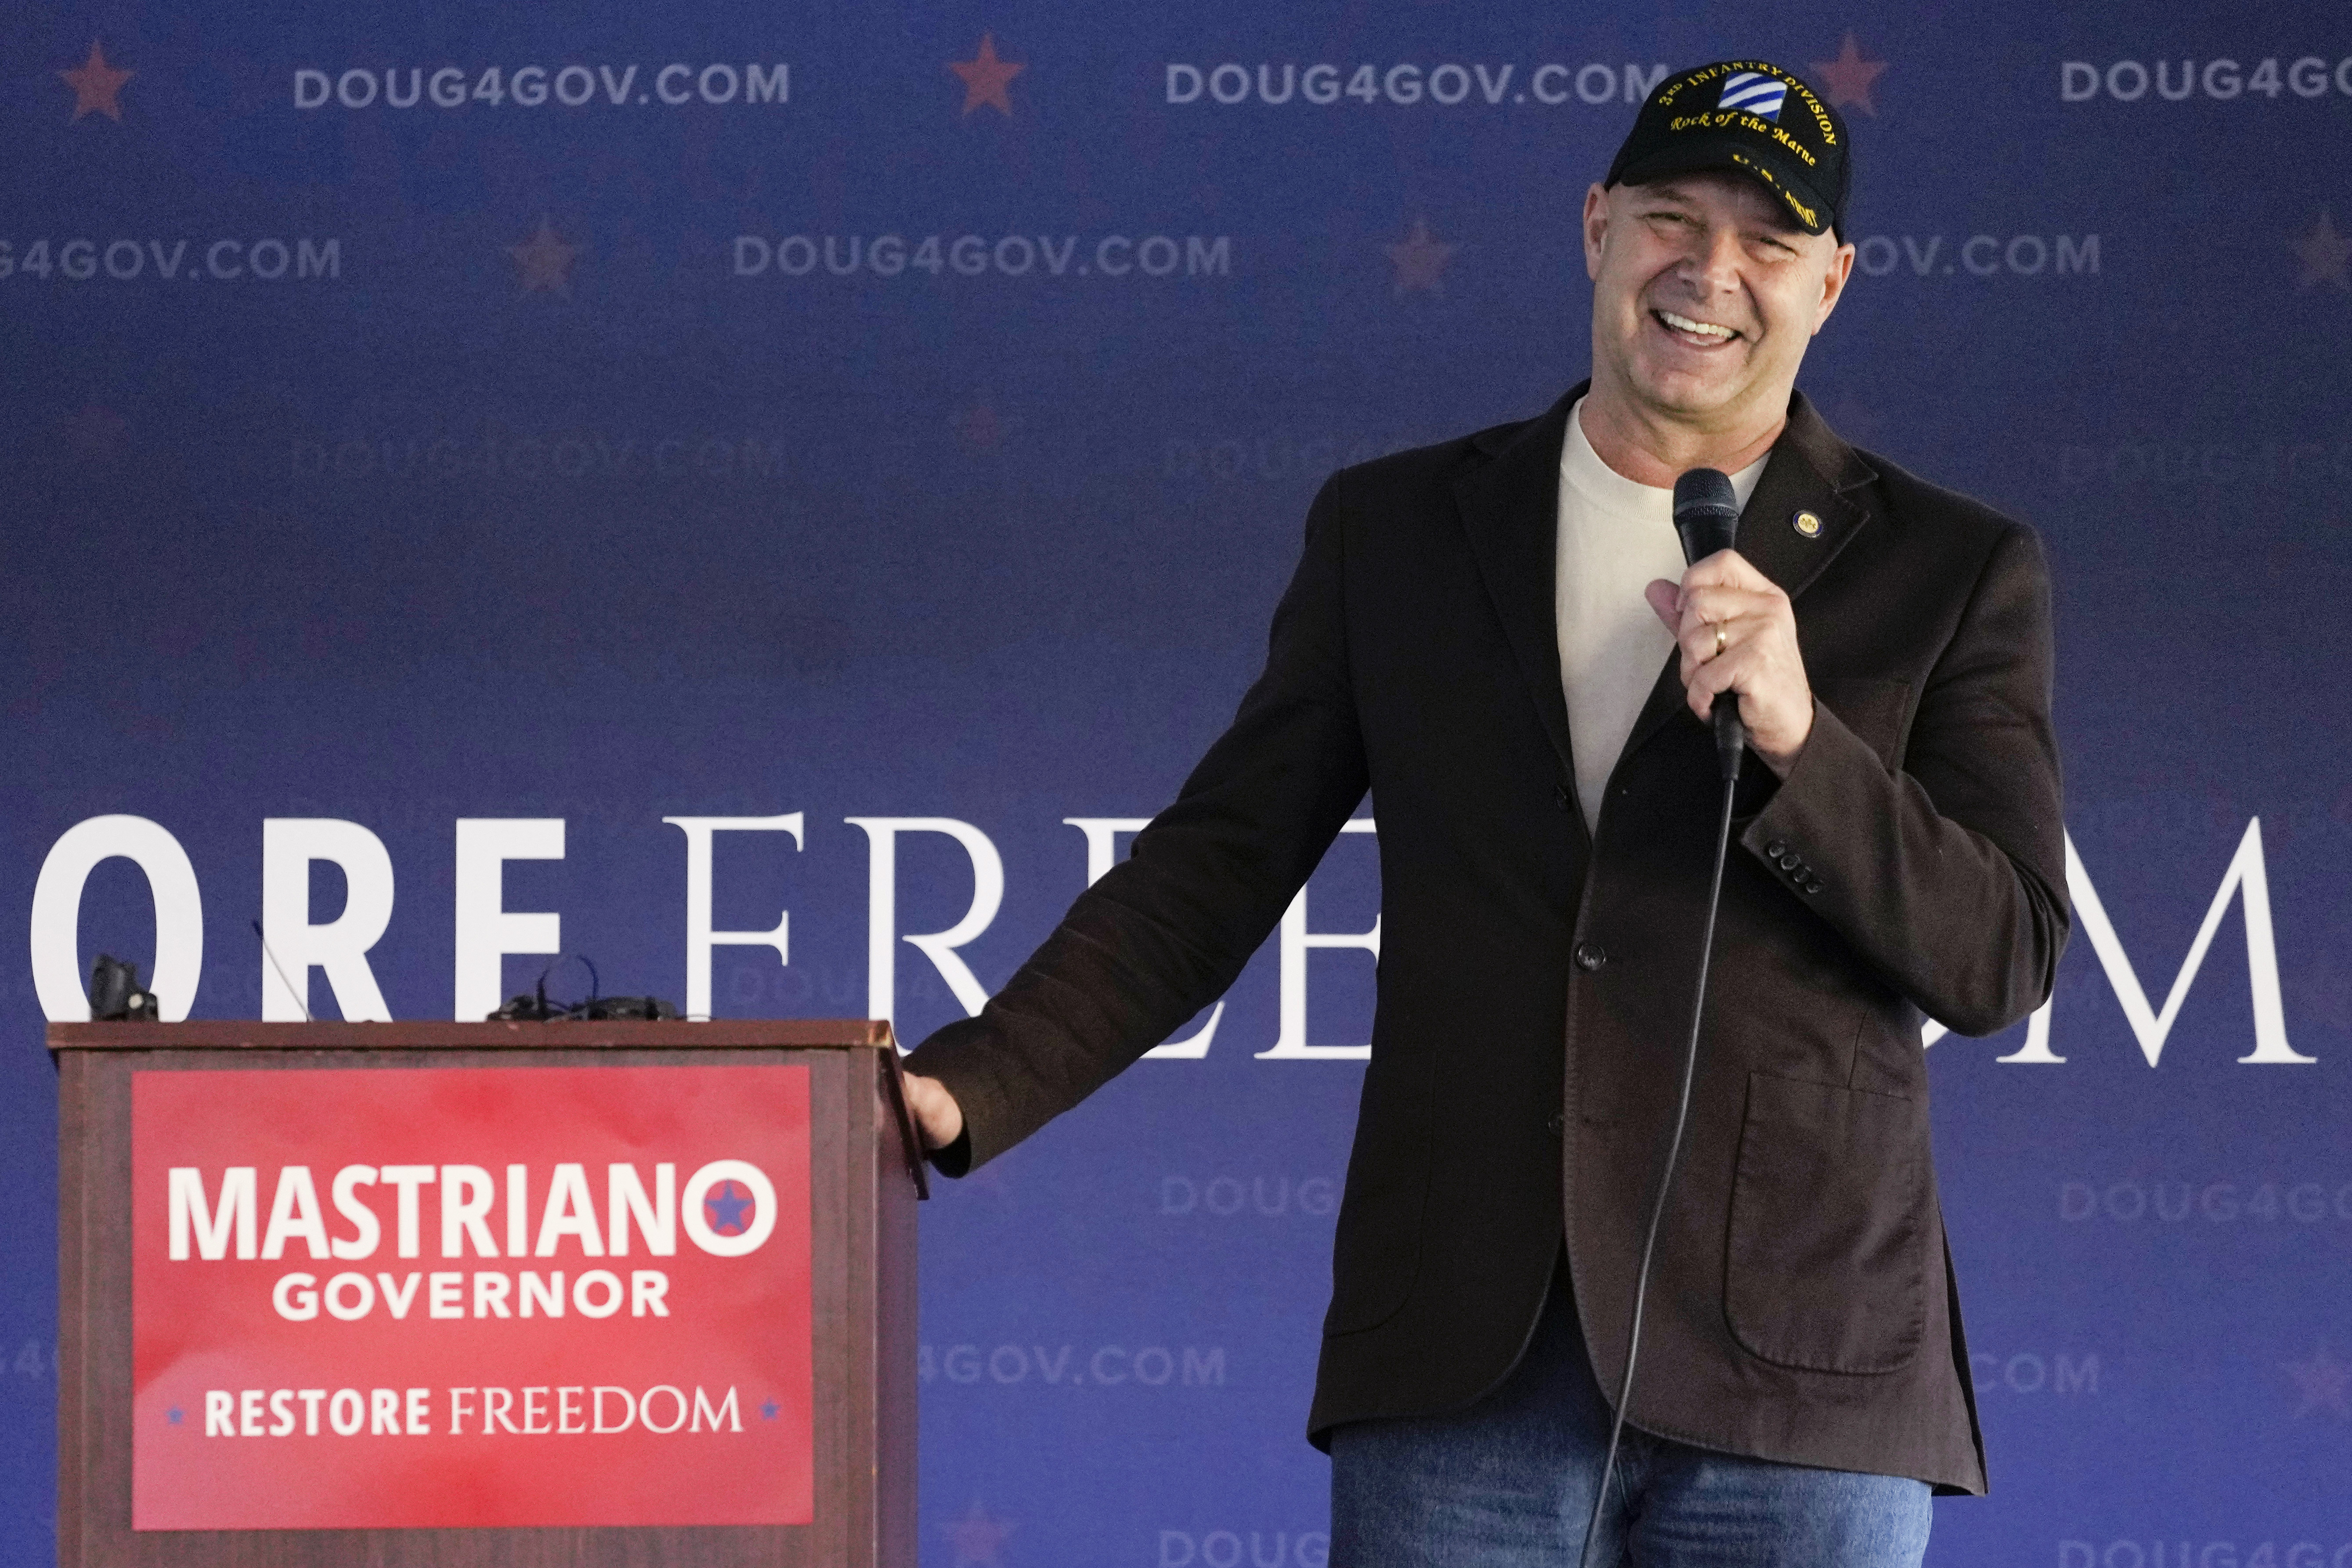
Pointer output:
x,y
1495,635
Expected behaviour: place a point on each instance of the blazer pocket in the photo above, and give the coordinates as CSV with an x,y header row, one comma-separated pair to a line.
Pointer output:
x,y
1376,1252
1826,1262
1874,708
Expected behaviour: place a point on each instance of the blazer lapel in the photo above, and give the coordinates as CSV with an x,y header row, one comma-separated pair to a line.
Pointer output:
x,y
1511,509
1810,470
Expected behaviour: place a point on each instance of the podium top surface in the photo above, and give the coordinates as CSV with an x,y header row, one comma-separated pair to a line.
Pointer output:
x,y
247,1035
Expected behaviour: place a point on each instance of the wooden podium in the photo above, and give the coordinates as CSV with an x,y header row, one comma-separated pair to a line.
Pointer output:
x,y
856,1373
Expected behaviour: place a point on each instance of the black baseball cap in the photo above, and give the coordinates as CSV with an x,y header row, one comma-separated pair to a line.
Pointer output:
x,y
1749,115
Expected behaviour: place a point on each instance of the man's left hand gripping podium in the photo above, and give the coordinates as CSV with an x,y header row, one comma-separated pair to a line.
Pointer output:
x,y
551,1294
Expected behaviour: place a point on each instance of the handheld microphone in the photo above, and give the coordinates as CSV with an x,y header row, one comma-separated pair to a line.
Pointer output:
x,y
1707,515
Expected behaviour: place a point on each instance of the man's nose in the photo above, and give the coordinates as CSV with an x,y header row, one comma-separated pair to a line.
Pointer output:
x,y
1713,265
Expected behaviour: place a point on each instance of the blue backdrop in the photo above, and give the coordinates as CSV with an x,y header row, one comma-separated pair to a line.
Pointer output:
x,y
598,414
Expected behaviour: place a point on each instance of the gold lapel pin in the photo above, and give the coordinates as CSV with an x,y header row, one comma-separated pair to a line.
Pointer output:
x,y
1808,524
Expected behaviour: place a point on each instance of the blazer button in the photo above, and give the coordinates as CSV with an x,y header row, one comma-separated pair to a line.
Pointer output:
x,y
1774,850
1559,1123
1814,886
1590,955
1790,862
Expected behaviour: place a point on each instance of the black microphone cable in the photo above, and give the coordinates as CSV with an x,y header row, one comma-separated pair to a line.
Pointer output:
x,y
1705,514
1674,1155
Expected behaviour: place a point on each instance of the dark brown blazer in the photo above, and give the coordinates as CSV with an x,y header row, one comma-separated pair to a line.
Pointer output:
x,y
1534,978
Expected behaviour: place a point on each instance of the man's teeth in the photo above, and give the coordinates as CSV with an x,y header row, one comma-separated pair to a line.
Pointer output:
x,y
1699,329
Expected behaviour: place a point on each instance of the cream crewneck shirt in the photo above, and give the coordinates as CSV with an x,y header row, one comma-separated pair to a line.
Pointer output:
x,y
1615,536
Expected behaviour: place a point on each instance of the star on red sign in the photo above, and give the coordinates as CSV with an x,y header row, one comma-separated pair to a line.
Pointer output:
x,y
985,76
2325,255
546,260
95,83
728,1210
976,1538
2323,1382
1847,79
1419,260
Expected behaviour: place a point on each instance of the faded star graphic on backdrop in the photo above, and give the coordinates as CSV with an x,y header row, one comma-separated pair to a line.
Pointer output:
x,y
976,1538
95,431
545,260
990,1181
1853,418
95,84
985,77
1419,260
1845,80
2325,254
2328,992
2323,1382
980,429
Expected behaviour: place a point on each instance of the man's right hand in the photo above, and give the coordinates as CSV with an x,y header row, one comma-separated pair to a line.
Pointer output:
x,y
938,1116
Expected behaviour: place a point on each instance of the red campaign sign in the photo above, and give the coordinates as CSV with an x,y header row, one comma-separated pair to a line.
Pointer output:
x,y
470,1296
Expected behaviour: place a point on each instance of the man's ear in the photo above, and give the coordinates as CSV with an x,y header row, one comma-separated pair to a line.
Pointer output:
x,y
1834,283
1596,229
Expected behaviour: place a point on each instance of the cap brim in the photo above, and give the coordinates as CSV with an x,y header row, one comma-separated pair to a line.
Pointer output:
x,y
1783,176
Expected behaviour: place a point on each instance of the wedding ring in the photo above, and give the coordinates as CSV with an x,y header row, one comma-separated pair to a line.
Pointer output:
x,y
1721,638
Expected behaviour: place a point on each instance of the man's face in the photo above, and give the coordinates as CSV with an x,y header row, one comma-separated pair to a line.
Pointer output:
x,y
1705,295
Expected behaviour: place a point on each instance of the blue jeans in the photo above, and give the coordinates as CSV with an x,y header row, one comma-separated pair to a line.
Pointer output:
x,y
1508,1484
